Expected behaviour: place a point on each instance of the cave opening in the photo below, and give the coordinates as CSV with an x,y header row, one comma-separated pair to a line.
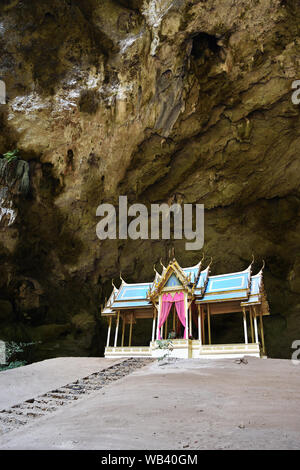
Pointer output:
x,y
203,42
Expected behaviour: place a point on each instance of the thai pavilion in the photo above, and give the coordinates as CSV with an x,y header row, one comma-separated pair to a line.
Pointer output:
x,y
182,303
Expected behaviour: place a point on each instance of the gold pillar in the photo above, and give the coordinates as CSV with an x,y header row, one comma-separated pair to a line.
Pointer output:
x,y
158,318
245,326
123,328
208,324
262,333
199,325
166,327
130,331
251,324
186,316
203,324
174,318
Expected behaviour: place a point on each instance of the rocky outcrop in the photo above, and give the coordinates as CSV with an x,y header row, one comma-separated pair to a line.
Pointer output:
x,y
159,100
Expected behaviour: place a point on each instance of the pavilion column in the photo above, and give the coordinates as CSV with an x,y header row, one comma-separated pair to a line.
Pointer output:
x,y
158,317
153,325
123,328
117,329
166,327
208,324
245,326
130,331
174,318
255,326
203,324
108,332
199,325
186,316
251,324
262,333
190,316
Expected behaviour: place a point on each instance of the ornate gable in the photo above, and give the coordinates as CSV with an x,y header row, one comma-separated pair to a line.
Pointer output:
x,y
173,277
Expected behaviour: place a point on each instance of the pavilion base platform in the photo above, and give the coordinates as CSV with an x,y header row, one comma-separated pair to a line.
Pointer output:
x,y
185,349
128,351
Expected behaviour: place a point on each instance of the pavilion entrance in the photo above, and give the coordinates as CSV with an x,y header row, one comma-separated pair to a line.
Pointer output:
x,y
173,328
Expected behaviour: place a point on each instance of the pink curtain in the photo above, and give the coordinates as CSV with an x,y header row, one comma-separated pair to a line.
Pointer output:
x,y
179,304
166,304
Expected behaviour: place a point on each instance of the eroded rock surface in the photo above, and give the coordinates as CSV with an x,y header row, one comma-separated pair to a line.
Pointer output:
x,y
162,101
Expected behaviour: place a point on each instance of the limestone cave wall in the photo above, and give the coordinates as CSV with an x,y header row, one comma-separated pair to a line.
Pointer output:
x,y
159,100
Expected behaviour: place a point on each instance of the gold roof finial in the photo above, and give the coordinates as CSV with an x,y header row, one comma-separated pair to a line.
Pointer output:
x,y
112,283
250,266
162,264
199,271
121,277
155,270
209,264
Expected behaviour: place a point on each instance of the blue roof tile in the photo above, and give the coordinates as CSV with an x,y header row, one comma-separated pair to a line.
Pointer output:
x,y
225,287
254,296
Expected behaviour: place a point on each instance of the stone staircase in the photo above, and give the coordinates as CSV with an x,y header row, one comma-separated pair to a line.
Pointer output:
x,y
29,410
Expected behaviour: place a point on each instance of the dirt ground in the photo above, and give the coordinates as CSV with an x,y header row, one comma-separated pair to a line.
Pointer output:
x,y
23,383
186,404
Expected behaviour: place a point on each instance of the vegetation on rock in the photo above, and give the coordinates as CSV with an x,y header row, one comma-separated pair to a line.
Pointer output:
x,y
13,170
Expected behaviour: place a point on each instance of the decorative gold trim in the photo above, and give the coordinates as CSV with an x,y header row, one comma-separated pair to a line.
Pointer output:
x,y
227,291
133,300
173,288
204,301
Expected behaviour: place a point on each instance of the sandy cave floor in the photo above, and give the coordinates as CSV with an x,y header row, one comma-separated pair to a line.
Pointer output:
x,y
185,404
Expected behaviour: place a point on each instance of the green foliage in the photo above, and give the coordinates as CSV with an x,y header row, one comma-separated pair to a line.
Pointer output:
x,y
13,365
12,155
163,343
13,170
12,350
166,345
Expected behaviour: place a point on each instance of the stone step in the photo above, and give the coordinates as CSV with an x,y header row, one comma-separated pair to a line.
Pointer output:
x,y
34,408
